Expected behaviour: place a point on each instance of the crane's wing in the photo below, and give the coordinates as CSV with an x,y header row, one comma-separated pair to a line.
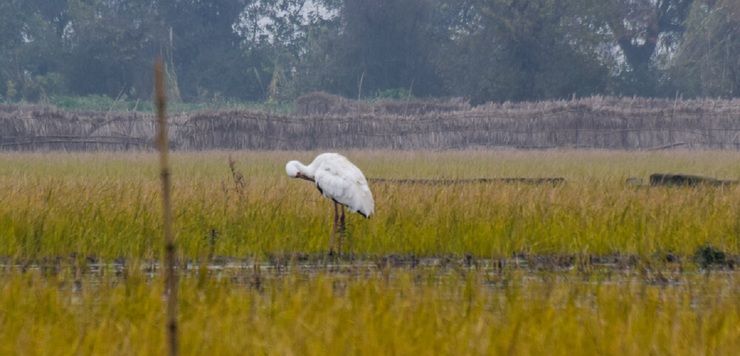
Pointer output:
x,y
340,180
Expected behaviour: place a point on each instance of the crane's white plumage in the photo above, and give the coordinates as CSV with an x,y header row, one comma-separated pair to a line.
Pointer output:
x,y
339,180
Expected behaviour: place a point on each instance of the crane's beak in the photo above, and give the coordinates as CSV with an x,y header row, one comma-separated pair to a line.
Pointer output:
x,y
299,175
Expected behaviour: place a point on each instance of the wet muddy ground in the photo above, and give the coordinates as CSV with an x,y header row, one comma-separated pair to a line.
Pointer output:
x,y
664,269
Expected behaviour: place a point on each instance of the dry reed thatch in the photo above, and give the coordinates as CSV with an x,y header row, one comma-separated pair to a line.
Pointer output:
x,y
36,127
322,121
323,104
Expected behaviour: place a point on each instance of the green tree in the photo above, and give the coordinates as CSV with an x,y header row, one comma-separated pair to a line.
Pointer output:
x,y
30,43
282,39
318,67
708,61
11,38
110,46
643,30
207,54
523,50
385,44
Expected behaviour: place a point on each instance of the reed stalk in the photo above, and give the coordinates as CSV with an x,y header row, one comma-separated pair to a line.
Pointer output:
x,y
169,240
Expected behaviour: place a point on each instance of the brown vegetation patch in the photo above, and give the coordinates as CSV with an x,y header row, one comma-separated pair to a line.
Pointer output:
x,y
687,180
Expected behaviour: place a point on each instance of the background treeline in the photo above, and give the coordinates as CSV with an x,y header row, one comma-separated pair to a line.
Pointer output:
x,y
277,50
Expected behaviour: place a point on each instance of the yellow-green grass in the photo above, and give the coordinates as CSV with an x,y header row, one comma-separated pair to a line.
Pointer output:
x,y
107,205
406,312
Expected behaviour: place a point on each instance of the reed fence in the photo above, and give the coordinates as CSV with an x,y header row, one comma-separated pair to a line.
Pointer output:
x,y
596,123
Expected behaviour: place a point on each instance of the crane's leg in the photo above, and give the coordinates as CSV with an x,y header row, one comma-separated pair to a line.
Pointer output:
x,y
334,230
341,232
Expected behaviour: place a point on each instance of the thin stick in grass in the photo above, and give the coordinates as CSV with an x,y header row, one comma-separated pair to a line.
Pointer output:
x,y
169,241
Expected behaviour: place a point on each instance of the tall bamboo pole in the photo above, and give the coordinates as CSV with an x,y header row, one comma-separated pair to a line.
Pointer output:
x,y
169,241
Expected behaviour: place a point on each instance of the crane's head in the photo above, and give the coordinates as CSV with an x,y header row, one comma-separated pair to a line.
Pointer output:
x,y
295,170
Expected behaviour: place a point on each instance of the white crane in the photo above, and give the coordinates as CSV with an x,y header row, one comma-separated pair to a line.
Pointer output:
x,y
339,180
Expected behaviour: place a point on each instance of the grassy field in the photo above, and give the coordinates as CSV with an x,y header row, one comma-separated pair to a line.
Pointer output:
x,y
80,235
374,313
106,205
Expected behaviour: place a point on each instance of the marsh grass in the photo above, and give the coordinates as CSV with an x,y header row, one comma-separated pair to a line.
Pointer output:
x,y
374,312
65,217
105,205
